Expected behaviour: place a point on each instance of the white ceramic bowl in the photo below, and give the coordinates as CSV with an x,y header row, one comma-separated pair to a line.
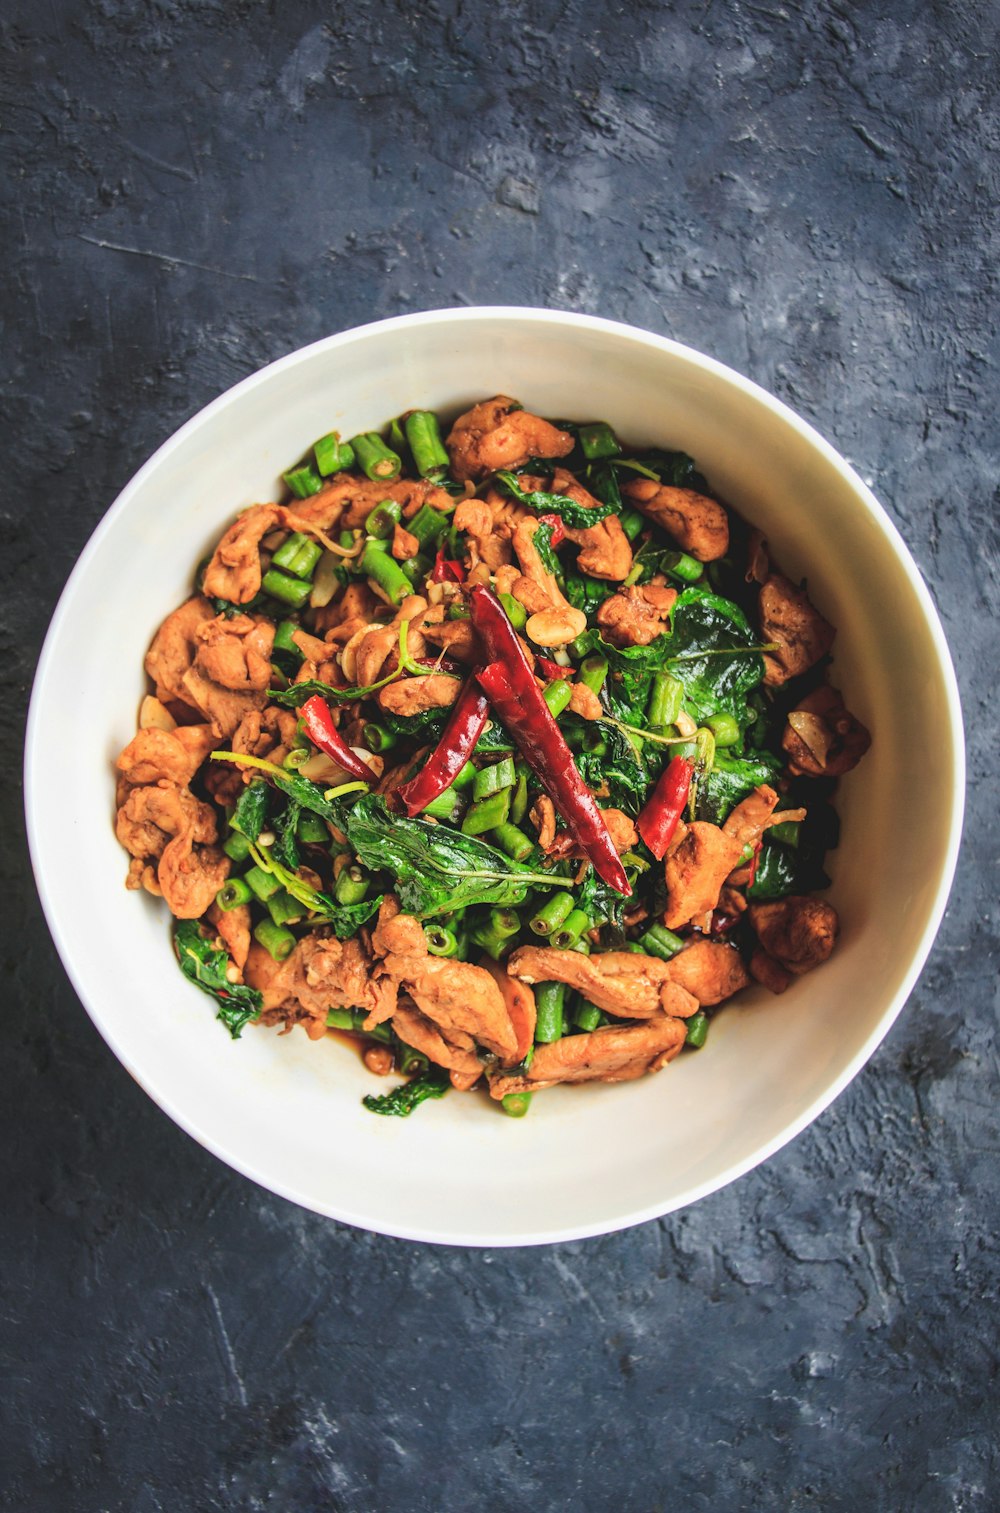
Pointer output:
x,y
587,1160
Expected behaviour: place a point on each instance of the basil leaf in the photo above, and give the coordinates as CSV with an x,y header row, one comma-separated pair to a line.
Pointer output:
x,y
251,810
731,780
436,869
202,964
619,767
286,847
711,646
576,516
402,1100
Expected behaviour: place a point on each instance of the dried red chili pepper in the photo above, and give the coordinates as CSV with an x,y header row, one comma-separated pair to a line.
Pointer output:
x,y
457,743
552,669
316,717
446,569
754,863
558,529
515,695
658,819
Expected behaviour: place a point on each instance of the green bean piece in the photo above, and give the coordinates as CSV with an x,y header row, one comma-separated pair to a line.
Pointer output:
x,y
233,893
486,814
557,695
311,830
288,550
386,572
505,921
491,941
515,1105
556,908
661,942
351,886
305,561
263,884
447,805
410,1062
291,591
295,758
457,610
237,847
519,798
424,436
283,638
347,539
579,648
377,739
587,1016
303,481
516,612
513,842
377,461
384,518
665,700
284,909
686,749
598,440
491,779
440,940
332,455
631,523
428,525
416,569
593,671
339,1019
565,936
724,728
464,777
788,832
278,942
697,1031
549,1021
688,569
704,742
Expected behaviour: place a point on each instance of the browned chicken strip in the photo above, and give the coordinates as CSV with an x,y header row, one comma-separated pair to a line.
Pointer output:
x,y
614,1053
698,524
622,982
788,618
496,434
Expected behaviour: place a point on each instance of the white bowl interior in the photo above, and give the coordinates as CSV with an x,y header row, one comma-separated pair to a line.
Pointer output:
x,y
288,1112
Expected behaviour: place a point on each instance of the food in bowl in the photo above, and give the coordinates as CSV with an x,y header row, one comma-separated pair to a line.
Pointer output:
x,y
510,756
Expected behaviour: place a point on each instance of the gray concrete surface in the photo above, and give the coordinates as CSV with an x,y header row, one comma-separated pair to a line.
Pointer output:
x,y
809,193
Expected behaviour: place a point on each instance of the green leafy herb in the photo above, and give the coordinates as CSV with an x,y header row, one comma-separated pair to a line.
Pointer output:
x,y
344,919
203,964
576,516
731,780
404,1099
601,902
619,766
586,593
674,468
251,810
436,869
546,551
305,793
286,847
712,649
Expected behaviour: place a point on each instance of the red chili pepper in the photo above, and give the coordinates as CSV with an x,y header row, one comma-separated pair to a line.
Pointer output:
x,y
558,529
552,669
754,861
515,695
316,717
446,569
457,743
658,820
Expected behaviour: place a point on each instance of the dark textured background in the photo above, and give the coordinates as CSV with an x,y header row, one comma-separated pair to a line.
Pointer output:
x,y
805,191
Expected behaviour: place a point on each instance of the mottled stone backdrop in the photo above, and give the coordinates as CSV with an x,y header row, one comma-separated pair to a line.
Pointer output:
x,y
808,191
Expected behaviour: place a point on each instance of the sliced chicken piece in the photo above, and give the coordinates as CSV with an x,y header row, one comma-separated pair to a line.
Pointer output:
x,y
788,618
622,982
320,974
614,1053
621,829
584,702
520,1001
822,738
709,970
460,998
173,648
190,876
496,434
416,1030
488,524
605,551
456,638
410,493
150,816
636,616
769,973
536,588
172,756
231,670
413,695
699,525
234,572
695,868
799,932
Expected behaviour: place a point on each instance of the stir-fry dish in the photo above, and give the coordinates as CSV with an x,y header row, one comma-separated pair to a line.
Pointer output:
x,y
509,756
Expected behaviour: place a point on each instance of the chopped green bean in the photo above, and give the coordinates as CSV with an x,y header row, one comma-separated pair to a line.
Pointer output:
x,y
486,814
665,700
289,590
277,941
428,525
661,942
557,695
410,1062
492,779
283,638
386,572
697,1030
598,440
377,739
557,908
593,671
377,461
447,805
566,935
233,893
332,455
464,777
631,523
303,481
236,847
516,612
263,885
283,908
504,921
724,728
587,1016
351,885
513,842
686,568
424,436
384,518
440,940
549,1019
516,1105
311,830
519,798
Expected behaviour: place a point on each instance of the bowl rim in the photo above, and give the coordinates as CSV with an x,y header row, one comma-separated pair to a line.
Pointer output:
x,y
582,322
